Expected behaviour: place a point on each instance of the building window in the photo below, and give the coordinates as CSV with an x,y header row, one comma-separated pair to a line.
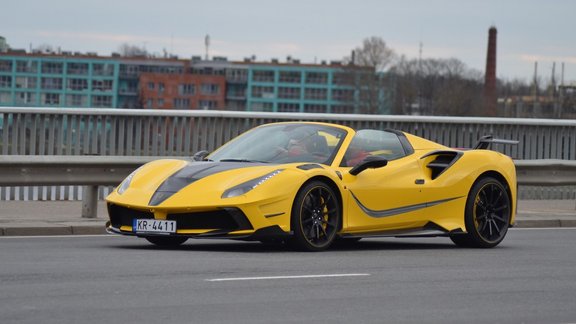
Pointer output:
x,y
207,104
26,98
151,86
261,106
343,78
26,66
102,85
317,77
209,89
288,93
5,81
51,83
237,92
288,107
263,76
315,94
77,84
181,103
76,100
160,103
26,82
77,68
343,109
314,108
236,75
160,87
51,99
103,69
149,103
52,67
102,101
5,98
343,94
129,70
186,89
290,77
5,66
263,92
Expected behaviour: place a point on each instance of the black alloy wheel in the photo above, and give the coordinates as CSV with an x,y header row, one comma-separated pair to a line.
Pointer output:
x,y
487,215
316,217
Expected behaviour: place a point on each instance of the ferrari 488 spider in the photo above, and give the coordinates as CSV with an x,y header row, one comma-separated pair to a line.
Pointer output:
x,y
310,184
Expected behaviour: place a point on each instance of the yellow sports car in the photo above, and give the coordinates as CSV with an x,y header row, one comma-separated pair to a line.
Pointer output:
x,y
310,184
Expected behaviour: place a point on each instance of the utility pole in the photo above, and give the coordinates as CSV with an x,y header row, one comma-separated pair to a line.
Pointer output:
x,y
535,100
207,44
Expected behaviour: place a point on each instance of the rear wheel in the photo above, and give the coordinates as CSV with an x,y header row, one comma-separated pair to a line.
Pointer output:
x,y
315,217
487,215
166,241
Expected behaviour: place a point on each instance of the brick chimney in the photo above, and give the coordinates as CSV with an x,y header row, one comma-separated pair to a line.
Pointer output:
x,y
490,76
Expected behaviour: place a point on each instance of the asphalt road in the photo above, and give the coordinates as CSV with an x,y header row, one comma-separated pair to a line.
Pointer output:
x,y
530,278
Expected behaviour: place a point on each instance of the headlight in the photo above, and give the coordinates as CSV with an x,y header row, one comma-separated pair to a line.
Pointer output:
x,y
249,185
126,183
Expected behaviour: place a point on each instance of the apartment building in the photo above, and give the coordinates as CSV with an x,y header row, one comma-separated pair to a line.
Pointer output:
x,y
58,81
89,81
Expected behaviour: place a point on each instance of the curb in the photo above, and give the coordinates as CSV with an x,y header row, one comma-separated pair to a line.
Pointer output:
x,y
539,223
53,230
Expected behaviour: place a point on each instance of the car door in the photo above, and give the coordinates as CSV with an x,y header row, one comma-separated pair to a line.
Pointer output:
x,y
383,198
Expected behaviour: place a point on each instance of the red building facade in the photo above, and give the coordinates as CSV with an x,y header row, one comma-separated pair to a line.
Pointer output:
x,y
182,91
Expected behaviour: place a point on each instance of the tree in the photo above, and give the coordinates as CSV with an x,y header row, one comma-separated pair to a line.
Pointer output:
x,y
128,50
365,73
436,87
373,53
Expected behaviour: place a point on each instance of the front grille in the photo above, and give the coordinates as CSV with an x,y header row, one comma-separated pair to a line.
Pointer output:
x,y
122,216
230,219
227,219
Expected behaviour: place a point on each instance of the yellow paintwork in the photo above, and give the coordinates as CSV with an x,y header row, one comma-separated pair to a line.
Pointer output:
x,y
391,187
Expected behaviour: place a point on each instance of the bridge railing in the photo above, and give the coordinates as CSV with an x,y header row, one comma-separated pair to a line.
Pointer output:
x,y
118,132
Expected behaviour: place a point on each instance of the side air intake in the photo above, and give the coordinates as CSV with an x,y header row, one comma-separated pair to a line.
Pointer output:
x,y
443,161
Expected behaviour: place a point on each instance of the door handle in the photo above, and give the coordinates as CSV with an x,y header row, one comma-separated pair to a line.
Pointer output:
x,y
419,181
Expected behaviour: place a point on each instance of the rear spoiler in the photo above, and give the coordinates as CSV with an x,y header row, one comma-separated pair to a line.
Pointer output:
x,y
485,142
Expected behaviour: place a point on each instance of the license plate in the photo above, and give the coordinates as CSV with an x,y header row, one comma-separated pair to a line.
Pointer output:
x,y
154,226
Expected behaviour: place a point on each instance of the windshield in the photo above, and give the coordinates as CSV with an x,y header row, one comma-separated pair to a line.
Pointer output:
x,y
283,143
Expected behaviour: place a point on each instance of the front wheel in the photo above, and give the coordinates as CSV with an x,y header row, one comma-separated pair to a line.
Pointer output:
x,y
166,241
487,215
316,217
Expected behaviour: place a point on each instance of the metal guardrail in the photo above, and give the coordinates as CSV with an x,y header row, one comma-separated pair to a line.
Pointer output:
x,y
550,172
135,132
94,171
88,171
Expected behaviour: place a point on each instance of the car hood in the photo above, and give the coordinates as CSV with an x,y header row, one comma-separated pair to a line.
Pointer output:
x,y
164,182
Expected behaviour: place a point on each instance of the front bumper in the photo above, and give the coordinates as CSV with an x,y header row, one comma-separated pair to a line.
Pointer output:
x,y
217,223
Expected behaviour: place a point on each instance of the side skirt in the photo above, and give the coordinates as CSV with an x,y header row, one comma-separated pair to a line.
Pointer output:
x,y
429,230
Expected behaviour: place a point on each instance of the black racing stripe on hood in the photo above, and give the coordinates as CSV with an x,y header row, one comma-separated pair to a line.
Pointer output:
x,y
191,173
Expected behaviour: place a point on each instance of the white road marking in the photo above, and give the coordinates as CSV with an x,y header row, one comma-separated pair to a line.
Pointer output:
x,y
291,277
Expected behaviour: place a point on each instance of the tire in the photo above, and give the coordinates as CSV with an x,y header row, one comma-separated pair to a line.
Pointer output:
x,y
487,215
166,241
315,218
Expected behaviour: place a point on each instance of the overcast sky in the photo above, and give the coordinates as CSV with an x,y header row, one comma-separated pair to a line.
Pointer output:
x,y
310,30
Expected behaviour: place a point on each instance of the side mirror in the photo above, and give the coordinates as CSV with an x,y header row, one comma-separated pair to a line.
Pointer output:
x,y
370,162
200,155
